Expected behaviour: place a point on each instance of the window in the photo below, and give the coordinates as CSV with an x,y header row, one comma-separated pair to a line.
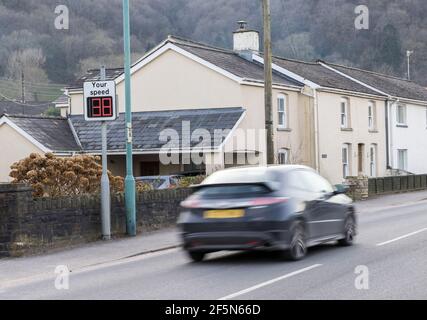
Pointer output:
x,y
401,115
283,156
371,115
402,158
344,113
373,161
282,109
345,160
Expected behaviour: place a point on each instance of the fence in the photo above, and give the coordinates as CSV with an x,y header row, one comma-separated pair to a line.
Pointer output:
x,y
384,185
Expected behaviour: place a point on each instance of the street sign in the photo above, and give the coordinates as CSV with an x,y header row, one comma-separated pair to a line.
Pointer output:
x,y
100,101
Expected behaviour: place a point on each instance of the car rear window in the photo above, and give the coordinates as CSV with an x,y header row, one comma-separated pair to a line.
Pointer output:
x,y
232,191
243,175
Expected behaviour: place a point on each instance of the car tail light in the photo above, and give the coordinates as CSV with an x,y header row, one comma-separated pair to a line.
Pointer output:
x,y
190,203
266,201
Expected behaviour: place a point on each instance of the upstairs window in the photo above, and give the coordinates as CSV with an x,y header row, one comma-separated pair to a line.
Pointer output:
x,y
282,107
344,113
371,115
401,115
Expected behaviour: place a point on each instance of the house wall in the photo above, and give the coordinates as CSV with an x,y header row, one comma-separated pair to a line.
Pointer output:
x,y
332,137
413,137
173,81
14,148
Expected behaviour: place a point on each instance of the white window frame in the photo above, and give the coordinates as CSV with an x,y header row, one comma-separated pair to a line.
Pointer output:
x,y
283,156
344,114
402,166
345,162
398,120
282,113
371,115
373,160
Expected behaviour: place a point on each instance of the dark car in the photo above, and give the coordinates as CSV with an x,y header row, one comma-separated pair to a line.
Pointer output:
x,y
285,208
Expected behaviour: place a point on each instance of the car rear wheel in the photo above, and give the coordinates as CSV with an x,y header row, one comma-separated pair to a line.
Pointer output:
x,y
196,256
298,247
349,232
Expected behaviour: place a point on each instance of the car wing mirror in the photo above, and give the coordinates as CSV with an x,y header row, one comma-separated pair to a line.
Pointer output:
x,y
341,189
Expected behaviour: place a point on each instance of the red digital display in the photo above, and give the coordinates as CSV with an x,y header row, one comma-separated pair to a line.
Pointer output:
x,y
100,107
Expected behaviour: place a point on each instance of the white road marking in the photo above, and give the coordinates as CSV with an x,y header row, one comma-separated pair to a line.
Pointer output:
x,y
401,237
266,283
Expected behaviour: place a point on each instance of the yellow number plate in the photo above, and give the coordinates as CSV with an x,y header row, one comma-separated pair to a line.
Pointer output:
x,y
224,214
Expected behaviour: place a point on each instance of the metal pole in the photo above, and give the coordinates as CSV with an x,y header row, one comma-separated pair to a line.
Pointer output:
x,y
130,180
268,82
105,181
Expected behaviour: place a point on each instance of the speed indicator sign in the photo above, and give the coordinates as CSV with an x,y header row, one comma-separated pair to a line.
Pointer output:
x,y
100,101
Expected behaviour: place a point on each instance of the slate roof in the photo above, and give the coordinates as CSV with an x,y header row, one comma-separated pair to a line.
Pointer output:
x,y
52,132
227,60
63,99
94,75
322,76
30,108
393,86
147,127
231,62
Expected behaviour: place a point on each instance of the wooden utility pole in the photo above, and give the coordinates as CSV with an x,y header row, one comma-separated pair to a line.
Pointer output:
x,y
22,86
268,81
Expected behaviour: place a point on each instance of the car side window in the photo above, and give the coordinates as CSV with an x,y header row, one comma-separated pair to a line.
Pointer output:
x,y
316,183
295,180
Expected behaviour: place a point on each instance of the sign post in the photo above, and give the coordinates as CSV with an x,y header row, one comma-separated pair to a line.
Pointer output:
x,y
100,105
130,180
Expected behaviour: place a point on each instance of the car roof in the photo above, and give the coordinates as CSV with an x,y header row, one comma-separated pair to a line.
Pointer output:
x,y
282,168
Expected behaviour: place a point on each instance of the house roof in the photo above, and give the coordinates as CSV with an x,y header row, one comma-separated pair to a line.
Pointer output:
x,y
148,126
61,100
231,62
393,86
53,133
30,108
227,60
94,75
322,76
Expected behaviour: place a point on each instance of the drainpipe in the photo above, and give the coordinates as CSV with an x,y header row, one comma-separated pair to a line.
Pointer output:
x,y
387,138
316,130
390,103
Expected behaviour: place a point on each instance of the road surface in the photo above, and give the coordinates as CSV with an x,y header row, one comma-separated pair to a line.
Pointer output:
x,y
390,251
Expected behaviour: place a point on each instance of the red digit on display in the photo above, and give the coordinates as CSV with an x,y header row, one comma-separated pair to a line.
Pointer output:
x,y
107,107
96,107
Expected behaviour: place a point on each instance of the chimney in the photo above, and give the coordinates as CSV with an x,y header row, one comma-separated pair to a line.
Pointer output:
x,y
245,41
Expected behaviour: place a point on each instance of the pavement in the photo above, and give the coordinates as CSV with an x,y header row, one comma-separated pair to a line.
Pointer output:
x,y
387,262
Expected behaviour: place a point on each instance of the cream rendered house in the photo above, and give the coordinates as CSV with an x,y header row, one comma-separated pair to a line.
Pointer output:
x,y
349,120
183,76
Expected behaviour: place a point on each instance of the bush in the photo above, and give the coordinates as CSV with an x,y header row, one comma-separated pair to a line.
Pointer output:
x,y
52,176
188,181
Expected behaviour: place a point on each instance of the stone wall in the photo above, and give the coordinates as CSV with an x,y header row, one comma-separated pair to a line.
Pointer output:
x,y
358,187
30,225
